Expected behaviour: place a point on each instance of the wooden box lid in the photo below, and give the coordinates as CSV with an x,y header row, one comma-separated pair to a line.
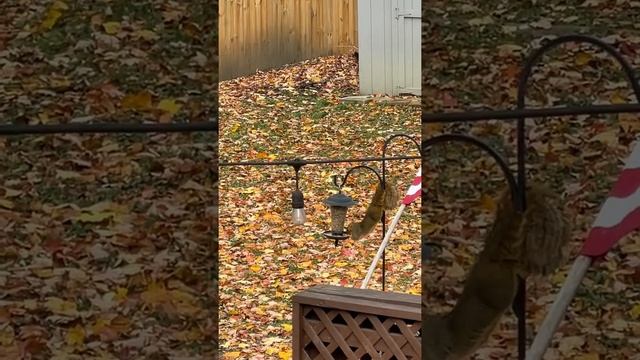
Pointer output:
x,y
391,304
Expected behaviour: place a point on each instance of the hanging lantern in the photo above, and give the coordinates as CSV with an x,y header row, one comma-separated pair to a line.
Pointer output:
x,y
338,204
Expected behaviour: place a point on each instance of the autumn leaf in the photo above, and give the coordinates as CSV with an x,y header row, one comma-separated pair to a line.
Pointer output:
x,y
617,98
635,312
94,217
231,355
609,137
53,15
100,325
455,271
147,35
154,294
112,27
285,355
184,302
139,101
590,356
273,218
120,323
121,293
7,336
61,307
169,106
583,58
488,203
569,344
63,174
75,336
6,203
192,29
10,192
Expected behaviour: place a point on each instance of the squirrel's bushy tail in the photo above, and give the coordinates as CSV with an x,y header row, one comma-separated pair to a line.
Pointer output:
x,y
532,243
383,199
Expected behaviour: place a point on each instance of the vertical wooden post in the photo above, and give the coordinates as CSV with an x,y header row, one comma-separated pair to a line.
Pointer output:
x,y
297,332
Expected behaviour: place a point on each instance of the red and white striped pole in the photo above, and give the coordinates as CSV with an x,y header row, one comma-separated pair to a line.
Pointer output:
x,y
619,215
414,192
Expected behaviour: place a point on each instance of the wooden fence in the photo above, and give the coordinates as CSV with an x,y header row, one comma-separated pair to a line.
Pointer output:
x,y
264,34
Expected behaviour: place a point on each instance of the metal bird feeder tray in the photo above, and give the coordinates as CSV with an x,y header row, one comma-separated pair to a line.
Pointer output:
x,y
338,204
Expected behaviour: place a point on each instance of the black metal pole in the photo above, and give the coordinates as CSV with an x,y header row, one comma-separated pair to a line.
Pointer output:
x,y
42,129
383,219
317,161
513,115
513,186
384,182
527,70
520,301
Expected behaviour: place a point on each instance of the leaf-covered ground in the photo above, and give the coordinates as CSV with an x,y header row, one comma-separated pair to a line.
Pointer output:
x,y
284,114
472,54
89,61
106,241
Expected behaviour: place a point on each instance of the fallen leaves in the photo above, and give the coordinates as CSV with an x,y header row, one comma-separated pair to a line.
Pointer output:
x,y
579,156
91,42
88,222
81,276
284,114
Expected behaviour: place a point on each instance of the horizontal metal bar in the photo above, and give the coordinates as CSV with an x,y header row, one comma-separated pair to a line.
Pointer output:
x,y
15,129
528,113
318,161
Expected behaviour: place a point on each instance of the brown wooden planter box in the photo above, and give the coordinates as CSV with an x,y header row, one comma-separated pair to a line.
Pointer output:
x,y
332,322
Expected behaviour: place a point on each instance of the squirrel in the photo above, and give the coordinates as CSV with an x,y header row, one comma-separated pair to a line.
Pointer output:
x,y
517,245
383,199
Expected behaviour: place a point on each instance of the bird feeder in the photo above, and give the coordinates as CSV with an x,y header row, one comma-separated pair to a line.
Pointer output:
x,y
338,204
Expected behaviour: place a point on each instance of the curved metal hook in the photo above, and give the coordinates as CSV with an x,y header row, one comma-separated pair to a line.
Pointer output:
x,y
384,153
502,163
395,136
515,190
521,200
346,176
534,58
527,69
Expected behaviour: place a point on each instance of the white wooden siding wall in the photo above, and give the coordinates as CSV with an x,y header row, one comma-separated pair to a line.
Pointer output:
x,y
389,43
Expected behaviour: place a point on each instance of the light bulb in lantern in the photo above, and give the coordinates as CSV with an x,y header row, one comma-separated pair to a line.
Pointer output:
x,y
297,203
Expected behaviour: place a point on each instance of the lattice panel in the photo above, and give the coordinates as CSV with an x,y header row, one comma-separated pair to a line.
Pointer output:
x,y
336,334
